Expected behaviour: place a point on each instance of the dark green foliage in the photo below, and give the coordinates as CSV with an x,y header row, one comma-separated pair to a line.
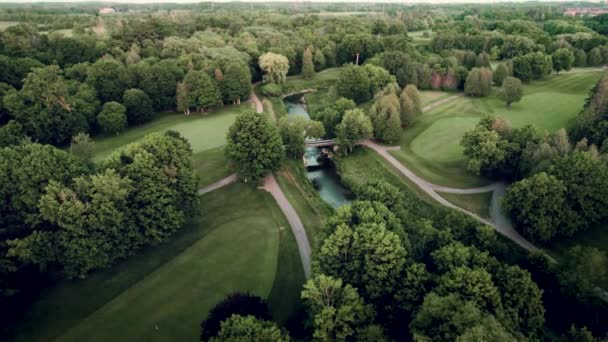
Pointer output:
x,y
254,146
582,270
107,76
563,59
592,123
248,328
234,304
203,91
536,205
532,66
113,118
11,134
237,83
354,84
501,72
159,83
50,108
332,115
138,105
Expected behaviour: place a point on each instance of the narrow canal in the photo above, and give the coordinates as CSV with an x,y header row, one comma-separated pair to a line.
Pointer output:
x,y
320,171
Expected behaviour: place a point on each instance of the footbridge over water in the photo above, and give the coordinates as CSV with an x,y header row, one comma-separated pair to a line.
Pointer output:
x,y
320,143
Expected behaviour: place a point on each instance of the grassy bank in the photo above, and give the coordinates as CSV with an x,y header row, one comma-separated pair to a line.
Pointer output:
x,y
476,203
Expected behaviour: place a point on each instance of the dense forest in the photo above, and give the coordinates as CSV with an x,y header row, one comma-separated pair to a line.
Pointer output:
x,y
389,266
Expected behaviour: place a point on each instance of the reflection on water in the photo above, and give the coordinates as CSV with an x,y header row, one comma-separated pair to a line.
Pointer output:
x,y
320,171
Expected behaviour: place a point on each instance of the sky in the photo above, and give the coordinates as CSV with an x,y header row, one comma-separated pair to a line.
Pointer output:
x,y
357,1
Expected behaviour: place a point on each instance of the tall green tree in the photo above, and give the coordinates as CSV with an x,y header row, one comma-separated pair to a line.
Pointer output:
x,y
275,67
254,146
478,82
537,206
113,118
308,67
237,83
354,83
294,131
501,72
203,91
107,76
355,126
337,310
511,90
138,105
563,59
385,117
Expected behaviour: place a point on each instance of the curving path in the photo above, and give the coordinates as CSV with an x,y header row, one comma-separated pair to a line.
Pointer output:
x,y
501,222
214,186
297,228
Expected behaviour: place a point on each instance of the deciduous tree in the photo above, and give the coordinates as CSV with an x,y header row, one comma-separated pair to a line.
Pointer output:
x,y
254,146
511,90
113,118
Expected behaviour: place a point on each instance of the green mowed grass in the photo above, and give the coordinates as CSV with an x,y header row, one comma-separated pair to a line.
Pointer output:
x,y
163,292
476,203
211,166
431,145
429,96
204,131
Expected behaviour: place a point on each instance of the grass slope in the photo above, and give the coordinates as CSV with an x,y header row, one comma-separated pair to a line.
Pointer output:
x,y
311,209
431,146
204,131
211,166
231,246
476,203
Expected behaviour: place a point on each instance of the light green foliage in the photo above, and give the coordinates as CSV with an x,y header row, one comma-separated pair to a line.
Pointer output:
x,y
583,269
182,98
478,82
254,145
247,328
537,206
138,105
385,118
532,66
355,126
275,67
511,90
488,330
293,132
444,318
563,59
203,91
308,68
483,148
337,309
501,72
82,146
456,255
472,284
113,118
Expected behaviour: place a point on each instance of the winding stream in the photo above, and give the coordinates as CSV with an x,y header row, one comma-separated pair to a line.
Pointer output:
x,y
320,172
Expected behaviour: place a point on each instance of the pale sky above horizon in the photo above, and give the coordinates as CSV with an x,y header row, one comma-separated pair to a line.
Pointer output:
x,y
301,1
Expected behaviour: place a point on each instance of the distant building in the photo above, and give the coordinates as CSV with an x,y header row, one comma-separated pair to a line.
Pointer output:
x,y
107,10
591,11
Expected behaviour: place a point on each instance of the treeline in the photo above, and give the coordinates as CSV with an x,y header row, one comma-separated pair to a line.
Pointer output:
x,y
62,216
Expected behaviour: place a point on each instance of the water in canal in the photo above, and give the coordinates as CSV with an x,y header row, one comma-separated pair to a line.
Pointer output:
x,y
320,171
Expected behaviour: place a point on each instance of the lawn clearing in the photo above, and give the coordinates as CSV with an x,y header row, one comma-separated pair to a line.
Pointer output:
x,y
475,203
431,145
203,131
163,292
211,166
